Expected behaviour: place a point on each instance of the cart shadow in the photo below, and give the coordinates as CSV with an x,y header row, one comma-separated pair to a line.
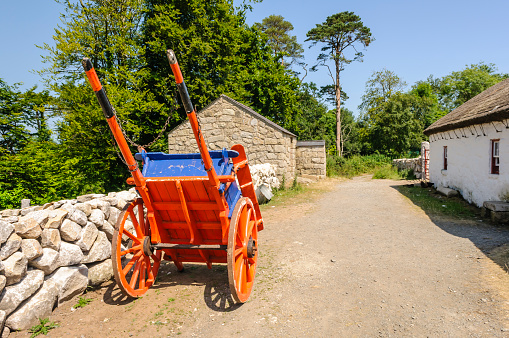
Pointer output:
x,y
216,294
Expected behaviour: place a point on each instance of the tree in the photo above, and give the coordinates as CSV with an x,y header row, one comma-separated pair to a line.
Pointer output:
x,y
282,44
458,87
338,33
380,87
219,54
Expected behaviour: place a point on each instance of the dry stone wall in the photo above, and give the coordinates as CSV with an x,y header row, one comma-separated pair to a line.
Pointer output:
x,y
226,122
311,159
51,253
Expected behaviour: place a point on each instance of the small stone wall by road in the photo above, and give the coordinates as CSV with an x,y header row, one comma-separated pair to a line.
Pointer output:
x,y
310,159
226,122
414,164
50,253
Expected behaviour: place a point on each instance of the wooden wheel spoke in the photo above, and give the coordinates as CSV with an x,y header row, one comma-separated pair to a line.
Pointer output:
x,y
131,236
134,220
238,252
133,249
250,272
250,229
130,264
143,269
243,277
136,273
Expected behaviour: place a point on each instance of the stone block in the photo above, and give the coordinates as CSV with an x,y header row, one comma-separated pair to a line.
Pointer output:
x,y
10,212
78,216
496,206
499,216
12,245
71,281
6,229
447,192
100,272
10,219
108,229
96,217
15,268
31,248
87,236
3,317
26,211
84,198
69,254
15,294
50,238
70,231
40,305
47,262
3,281
114,213
55,219
85,207
100,251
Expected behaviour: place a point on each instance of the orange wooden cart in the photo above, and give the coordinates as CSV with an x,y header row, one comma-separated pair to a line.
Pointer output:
x,y
193,207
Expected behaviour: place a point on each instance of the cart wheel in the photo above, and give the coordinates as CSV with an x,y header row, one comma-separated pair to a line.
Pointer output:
x,y
135,271
242,252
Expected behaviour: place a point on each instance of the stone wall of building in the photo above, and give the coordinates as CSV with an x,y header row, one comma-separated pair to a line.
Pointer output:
x,y
226,122
310,159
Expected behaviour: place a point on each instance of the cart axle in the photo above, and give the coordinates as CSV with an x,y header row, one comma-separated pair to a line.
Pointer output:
x,y
188,246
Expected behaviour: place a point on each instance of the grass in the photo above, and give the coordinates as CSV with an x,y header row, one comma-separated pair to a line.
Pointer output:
x,y
434,204
82,302
43,327
388,172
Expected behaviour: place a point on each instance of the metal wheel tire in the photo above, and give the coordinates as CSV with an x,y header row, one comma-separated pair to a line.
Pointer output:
x,y
242,251
134,271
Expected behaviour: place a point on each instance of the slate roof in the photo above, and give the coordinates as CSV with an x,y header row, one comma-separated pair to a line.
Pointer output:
x,y
249,111
490,105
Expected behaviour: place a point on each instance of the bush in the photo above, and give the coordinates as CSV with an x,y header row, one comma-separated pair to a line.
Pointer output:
x,y
356,165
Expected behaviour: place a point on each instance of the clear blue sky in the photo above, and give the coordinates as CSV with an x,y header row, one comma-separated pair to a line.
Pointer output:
x,y
413,38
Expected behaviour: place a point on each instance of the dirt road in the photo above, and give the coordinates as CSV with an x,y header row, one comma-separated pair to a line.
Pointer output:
x,y
359,260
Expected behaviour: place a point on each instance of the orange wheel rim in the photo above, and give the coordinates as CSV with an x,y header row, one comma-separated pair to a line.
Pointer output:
x,y
134,271
242,258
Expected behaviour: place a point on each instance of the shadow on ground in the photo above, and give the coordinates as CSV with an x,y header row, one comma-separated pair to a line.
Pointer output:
x,y
216,294
484,234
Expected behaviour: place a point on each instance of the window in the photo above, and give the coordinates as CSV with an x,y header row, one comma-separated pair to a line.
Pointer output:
x,y
445,158
495,159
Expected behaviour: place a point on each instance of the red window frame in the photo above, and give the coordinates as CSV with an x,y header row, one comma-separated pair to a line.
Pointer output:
x,y
445,157
495,156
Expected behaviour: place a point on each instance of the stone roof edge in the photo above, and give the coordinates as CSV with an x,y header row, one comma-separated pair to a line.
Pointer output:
x,y
314,143
250,111
241,106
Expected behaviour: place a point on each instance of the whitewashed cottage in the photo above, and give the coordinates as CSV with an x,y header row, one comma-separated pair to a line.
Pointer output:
x,y
469,147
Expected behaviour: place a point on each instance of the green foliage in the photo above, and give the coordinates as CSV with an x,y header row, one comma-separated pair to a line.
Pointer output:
x,y
355,165
388,172
339,32
82,302
219,54
43,327
460,86
282,44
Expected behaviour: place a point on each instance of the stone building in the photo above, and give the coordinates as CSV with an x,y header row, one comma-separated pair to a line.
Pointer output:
x,y
226,122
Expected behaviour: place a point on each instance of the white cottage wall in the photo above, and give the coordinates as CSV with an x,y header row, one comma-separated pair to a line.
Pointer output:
x,y
469,163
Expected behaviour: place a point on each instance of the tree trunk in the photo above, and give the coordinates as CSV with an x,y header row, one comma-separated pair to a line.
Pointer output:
x,y
338,111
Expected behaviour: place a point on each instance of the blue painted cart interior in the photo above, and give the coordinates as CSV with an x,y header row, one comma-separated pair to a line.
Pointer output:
x,y
159,164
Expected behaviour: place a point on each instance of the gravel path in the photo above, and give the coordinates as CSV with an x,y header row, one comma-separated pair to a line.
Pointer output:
x,y
359,260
